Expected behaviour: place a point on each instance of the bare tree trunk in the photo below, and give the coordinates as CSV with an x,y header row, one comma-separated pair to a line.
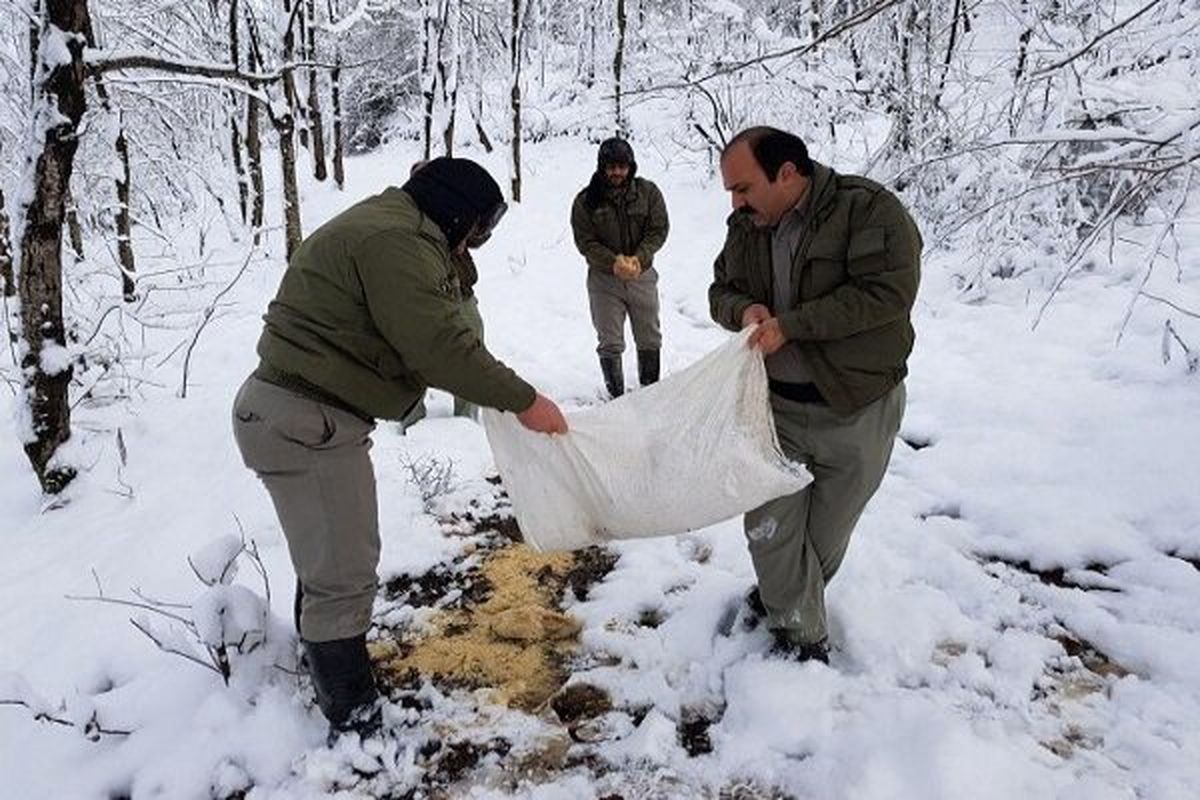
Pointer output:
x,y
591,68
35,36
125,257
254,158
124,223
335,91
291,193
285,126
515,98
618,63
235,149
289,77
1017,104
901,90
449,63
452,113
955,14
477,75
339,143
299,111
316,121
428,76
6,264
235,135
59,103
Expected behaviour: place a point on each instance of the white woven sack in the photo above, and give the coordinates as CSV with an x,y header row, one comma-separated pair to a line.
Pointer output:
x,y
693,449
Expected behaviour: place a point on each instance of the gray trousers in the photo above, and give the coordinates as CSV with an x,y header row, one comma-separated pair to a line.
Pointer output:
x,y
797,542
314,460
612,298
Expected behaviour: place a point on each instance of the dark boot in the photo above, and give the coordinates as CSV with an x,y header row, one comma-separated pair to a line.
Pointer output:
x,y
345,687
784,646
647,367
614,376
297,606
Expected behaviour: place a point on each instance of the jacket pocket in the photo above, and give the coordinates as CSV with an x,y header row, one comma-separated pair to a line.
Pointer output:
x,y
867,252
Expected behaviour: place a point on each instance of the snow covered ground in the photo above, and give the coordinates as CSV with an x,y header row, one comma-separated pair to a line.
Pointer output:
x,y
1017,616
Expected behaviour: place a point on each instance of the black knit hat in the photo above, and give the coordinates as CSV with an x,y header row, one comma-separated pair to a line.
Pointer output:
x,y
457,193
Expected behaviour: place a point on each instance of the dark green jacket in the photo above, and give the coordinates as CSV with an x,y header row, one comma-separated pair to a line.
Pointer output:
x,y
369,311
855,277
632,222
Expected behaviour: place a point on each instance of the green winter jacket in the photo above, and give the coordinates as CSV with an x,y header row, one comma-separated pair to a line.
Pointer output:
x,y
632,222
369,313
855,277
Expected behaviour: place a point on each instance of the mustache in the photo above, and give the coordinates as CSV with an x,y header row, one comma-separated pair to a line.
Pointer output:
x,y
747,210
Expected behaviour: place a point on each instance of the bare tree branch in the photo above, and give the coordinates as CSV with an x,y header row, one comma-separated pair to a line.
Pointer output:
x,y
1041,73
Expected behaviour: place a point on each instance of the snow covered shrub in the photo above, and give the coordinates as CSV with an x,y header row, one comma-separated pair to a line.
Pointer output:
x,y
432,476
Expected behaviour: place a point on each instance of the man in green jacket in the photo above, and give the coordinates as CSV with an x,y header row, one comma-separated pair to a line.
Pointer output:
x,y
468,276
620,221
826,266
367,316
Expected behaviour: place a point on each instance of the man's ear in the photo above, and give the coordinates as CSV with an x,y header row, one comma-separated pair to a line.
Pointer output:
x,y
787,170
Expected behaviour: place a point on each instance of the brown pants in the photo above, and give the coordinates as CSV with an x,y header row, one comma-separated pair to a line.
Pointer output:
x,y
314,460
797,542
612,298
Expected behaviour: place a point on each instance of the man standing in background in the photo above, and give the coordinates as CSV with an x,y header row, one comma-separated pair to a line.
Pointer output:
x,y
619,222
826,266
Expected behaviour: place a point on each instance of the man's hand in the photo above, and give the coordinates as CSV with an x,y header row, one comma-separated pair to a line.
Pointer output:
x,y
543,416
755,314
626,267
768,336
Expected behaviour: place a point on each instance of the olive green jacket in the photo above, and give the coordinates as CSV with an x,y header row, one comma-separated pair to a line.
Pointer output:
x,y
369,311
632,222
855,277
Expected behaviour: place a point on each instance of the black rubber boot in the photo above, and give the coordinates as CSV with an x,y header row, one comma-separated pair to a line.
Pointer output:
x,y
786,647
297,606
614,376
648,367
344,684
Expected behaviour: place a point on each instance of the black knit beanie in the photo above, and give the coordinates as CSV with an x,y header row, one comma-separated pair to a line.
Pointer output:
x,y
454,193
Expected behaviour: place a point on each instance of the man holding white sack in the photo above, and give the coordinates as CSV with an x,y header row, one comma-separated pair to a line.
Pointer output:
x,y
368,315
827,266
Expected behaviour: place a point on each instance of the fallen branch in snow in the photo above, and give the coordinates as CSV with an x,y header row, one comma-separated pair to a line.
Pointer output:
x,y
1192,359
92,729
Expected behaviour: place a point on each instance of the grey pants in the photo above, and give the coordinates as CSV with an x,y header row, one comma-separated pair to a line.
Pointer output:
x,y
612,298
314,460
462,408
797,542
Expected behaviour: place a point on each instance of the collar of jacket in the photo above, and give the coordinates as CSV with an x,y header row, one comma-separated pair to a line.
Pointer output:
x,y
626,194
821,193
425,225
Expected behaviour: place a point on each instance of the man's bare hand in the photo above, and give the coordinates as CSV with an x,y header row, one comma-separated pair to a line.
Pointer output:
x,y
768,336
755,314
544,416
626,267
